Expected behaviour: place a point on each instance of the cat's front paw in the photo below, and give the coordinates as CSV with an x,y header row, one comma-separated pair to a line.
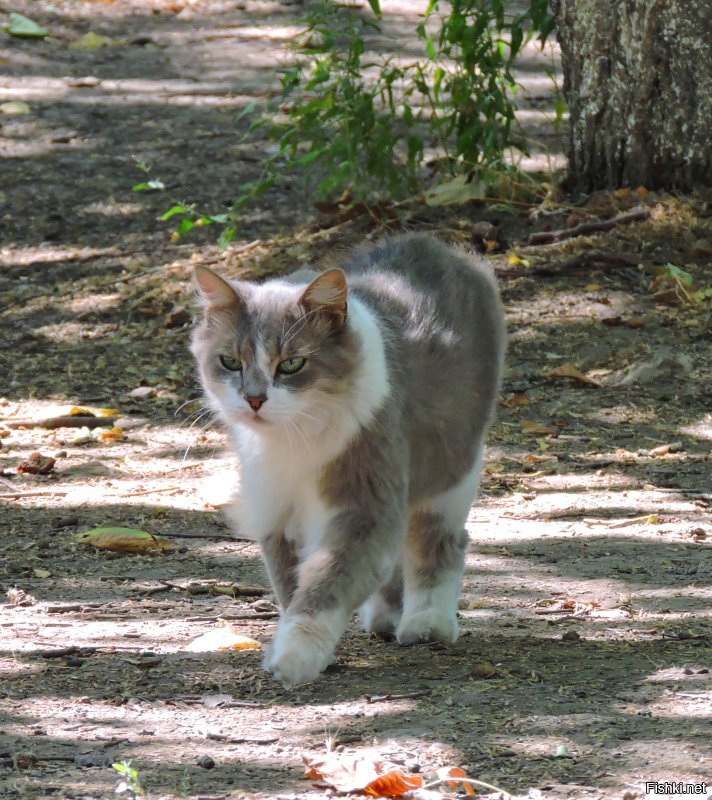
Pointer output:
x,y
302,648
426,626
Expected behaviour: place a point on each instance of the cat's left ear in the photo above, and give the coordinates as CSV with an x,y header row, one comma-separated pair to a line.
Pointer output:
x,y
215,292
327,293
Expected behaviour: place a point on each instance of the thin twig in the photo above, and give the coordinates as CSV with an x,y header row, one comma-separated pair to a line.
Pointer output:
x,y
38,493
472,781
378,698
594,226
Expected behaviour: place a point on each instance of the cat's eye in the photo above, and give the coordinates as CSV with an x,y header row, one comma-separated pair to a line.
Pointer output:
x,y
231,363
291,365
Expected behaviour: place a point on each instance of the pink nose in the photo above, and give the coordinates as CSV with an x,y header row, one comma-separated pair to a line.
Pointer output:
x,y
256,401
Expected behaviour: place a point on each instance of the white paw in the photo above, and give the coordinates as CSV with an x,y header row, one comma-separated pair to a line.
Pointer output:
x,y
425,626
302,648
379,617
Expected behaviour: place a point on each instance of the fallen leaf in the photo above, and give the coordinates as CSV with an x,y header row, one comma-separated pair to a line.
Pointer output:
x,y
512,400
484,671
537,429
456,191
24,28
111,435
363,771
665,449
570,371
15,108
224,637
124,540
451,774
91,41
36,464
515,260
41,573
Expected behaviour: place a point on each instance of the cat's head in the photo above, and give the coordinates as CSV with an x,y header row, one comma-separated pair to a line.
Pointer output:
x,y
276,354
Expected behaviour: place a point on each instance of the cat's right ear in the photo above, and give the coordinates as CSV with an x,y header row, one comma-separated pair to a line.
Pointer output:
x,y
215,292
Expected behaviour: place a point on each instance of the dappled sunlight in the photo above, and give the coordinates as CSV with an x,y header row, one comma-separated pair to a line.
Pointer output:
x,y
11,666
586,607
702,429
18,256
122,92
112,209
68,332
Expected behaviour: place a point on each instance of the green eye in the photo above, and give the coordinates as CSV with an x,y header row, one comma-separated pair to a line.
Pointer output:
x,y
291,365
231,363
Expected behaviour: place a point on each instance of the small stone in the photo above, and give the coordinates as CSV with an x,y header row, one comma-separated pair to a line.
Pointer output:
x,y
142,392
571,636
206,762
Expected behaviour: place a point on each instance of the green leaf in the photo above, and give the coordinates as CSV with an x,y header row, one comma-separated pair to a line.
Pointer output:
x,y
173,211
24,28
151,186
226,237
375,7
184,226
219,219
246,111
673,274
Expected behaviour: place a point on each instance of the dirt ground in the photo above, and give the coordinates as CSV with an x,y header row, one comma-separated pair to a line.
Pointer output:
x,y
583,670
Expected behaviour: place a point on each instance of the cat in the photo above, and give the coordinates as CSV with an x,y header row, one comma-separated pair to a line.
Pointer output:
x,y
358,400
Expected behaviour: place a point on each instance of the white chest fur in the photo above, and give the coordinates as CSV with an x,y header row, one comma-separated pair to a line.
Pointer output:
x,y
280,468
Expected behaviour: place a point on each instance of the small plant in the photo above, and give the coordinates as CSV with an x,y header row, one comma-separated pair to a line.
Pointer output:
x,y
356,126
130,785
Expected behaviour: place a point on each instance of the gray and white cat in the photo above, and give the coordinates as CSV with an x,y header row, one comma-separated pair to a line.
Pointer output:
x,y
358,401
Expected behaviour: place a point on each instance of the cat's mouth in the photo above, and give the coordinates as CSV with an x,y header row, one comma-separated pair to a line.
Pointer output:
x,y
255,419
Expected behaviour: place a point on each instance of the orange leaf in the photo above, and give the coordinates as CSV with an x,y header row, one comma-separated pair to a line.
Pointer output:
x,y
516,400
393,784
445,773
362,771
537,429
570,371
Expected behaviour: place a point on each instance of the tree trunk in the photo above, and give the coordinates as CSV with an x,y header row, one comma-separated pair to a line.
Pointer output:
x,y
638,82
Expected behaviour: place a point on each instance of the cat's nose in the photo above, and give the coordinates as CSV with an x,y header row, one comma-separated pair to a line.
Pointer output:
x,y
256,401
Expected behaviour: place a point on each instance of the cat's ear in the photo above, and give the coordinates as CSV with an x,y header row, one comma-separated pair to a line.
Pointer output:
x,y
215,292
327,293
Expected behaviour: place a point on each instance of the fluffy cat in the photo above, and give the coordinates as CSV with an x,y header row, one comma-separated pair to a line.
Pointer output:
x,y
358,401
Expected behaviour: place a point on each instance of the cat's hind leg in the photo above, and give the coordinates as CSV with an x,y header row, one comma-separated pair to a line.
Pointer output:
x,y
433,563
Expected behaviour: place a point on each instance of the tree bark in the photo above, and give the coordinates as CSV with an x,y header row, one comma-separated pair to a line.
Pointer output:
x,y
638,82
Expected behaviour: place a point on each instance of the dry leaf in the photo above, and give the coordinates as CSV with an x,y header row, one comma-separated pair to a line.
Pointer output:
x,y
512,400
364,771
225,637
570,371
537,429
91,41
124,540
15,108
41,573
36,464
79,411
112,434
483,671
665,449
451,775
